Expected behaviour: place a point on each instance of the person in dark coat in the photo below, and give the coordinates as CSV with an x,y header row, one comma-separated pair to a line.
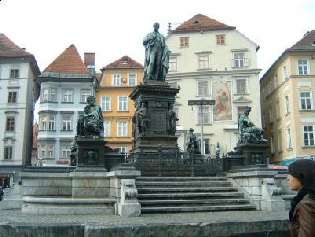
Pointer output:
x,y
301,178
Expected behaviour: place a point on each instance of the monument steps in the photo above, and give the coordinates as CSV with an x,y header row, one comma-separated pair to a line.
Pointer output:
x,y
189,194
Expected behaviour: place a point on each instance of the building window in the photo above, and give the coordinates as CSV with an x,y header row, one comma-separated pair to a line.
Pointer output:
x,y
203,61
264,120
272,144
285,72
279,141
305,99
48,95
203,88
184,42
12,97
276,80
67,95
10,123
132,79
8,153
203,113
176,110
122,149
220,39
116,80
46,151
105,103
84,95
65,152
286,104
270,114
308,135
122,103
289,139
106,129
122,129
47,122
172,64
303,67
277,109
241,86
14,73
238,59
66,122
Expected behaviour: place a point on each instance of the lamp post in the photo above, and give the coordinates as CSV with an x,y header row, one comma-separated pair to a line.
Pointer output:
x,y
201,103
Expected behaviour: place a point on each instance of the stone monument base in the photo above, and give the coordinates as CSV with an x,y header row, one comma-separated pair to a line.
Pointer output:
x,y
151,143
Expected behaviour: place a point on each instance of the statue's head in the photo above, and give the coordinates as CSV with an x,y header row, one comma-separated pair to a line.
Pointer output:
x,y
247,109
90,99
156,26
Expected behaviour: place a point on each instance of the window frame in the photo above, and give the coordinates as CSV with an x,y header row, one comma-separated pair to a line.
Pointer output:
x,y
10,123
122,128
122,104
203,90
8,152
238,86
12,97
303,67
14,73
105,102
305,101
220,39
66,122
132,79
67,97
116,79
309,134
184,42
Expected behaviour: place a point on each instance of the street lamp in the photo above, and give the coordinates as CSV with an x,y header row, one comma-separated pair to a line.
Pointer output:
x,y
201,103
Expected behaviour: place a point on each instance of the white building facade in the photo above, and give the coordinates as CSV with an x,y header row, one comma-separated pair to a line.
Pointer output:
x,y
212,61
19,92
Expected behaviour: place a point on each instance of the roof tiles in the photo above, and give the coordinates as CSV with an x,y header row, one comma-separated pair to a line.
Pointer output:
x,y
201,23
69,62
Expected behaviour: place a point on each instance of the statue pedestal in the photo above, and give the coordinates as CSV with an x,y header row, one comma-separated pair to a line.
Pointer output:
x,y
248,156
153,143
159,99
90,152
254,154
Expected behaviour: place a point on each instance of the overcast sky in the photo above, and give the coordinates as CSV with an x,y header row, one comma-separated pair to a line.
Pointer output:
x,y
113,29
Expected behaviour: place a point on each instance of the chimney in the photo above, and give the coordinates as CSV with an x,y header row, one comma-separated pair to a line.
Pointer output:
x,y
89,62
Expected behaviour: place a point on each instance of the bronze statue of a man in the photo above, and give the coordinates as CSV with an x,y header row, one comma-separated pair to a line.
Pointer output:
x,y
91,123
156,55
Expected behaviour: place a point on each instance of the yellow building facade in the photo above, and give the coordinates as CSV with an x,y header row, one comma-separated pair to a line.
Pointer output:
x,y
288,103
117,81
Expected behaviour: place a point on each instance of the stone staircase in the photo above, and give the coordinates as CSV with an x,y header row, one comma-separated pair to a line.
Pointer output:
x,y
189,194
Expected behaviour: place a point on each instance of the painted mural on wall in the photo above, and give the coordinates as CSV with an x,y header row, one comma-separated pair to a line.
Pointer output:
x,y
223,106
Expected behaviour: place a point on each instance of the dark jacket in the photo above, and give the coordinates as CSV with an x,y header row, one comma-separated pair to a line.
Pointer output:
x,y
303,223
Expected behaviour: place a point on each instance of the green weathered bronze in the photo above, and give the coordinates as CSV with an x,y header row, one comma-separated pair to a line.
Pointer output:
x,y
90,124
156,55
249,133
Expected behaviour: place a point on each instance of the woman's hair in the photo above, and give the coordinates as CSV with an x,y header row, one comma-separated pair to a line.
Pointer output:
x,y
304,171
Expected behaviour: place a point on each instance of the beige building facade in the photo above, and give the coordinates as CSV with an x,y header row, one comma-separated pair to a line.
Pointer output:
x,y
287,102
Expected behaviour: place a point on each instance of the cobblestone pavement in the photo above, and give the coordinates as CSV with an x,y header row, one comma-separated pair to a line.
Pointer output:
x,y
16,216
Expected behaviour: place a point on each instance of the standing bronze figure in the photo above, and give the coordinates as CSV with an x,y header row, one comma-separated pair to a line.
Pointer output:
x,y
156,55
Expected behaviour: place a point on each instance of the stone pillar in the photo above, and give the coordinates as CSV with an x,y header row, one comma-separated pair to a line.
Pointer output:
x,y
260,187
123,188
90,152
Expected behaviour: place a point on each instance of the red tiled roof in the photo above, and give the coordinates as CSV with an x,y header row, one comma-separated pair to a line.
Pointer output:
x,y
201,22
68,62
306,43
124,62
10,49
